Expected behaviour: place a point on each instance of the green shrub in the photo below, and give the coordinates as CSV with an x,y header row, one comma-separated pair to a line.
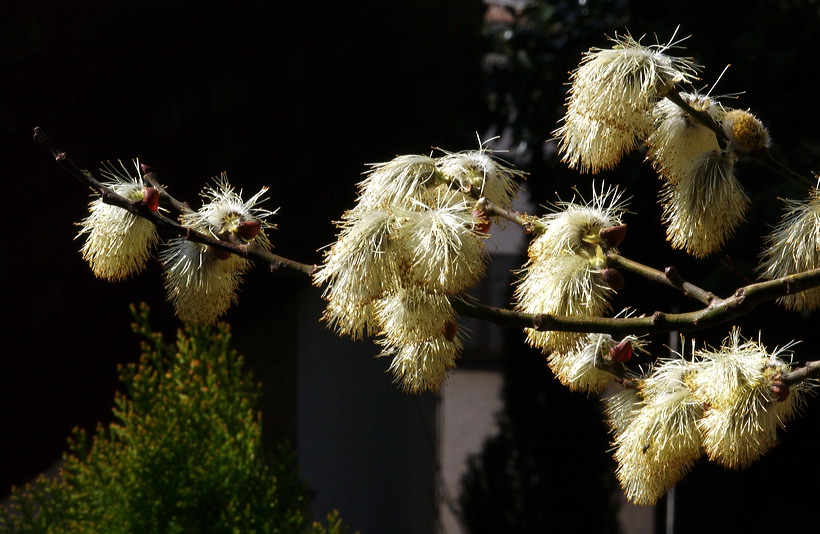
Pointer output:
x,y
184,454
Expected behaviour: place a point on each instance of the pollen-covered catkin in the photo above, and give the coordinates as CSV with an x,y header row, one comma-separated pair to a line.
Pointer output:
x,y
201,282
118,244
794,247
679,139
745,132
657,441
415,239
417,335
704,207
743,412
610,101
563,273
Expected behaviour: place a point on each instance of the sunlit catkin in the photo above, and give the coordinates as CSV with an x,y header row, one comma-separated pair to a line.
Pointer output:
x,y
705,206
357,269
794,247
609,104
201,281
589,367
745,403
478,172
660,442
679,139
563,273
744,131
398,182
439,248
118,244
420,333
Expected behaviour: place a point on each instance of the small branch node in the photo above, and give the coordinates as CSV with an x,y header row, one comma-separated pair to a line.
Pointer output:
x,y
788,286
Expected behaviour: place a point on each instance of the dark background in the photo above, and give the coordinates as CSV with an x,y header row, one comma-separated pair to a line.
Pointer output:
x,y
295,97
299,97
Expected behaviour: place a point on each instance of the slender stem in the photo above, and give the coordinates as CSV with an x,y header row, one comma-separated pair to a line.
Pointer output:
x,y
727,262
151,177
700,116
527,222
766,159
277,263
716,312
669,277
763,157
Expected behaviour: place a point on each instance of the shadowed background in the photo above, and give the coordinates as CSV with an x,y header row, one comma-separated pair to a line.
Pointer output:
x,y
300,97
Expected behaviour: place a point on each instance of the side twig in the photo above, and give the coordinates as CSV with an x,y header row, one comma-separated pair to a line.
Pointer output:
x,y
277,263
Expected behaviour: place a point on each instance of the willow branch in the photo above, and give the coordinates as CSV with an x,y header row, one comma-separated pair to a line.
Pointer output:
x,y
763,157
699,115
810,370
669,276
249,251
151,177
718,312
525,221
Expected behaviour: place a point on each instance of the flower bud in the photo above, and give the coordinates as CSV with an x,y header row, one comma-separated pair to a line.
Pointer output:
x,y
745,131
151,198
780,390
481,223
249,229
613,278
450,329
621,352
613,235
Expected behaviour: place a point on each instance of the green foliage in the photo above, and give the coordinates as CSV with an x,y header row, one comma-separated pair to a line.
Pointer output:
x,y
184,454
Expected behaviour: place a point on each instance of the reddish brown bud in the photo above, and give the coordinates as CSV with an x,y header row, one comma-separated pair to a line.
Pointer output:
x,y
780,390
613,278
621,352
249,229
450,329
151,198
220,253
614,235
145,168
481,223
